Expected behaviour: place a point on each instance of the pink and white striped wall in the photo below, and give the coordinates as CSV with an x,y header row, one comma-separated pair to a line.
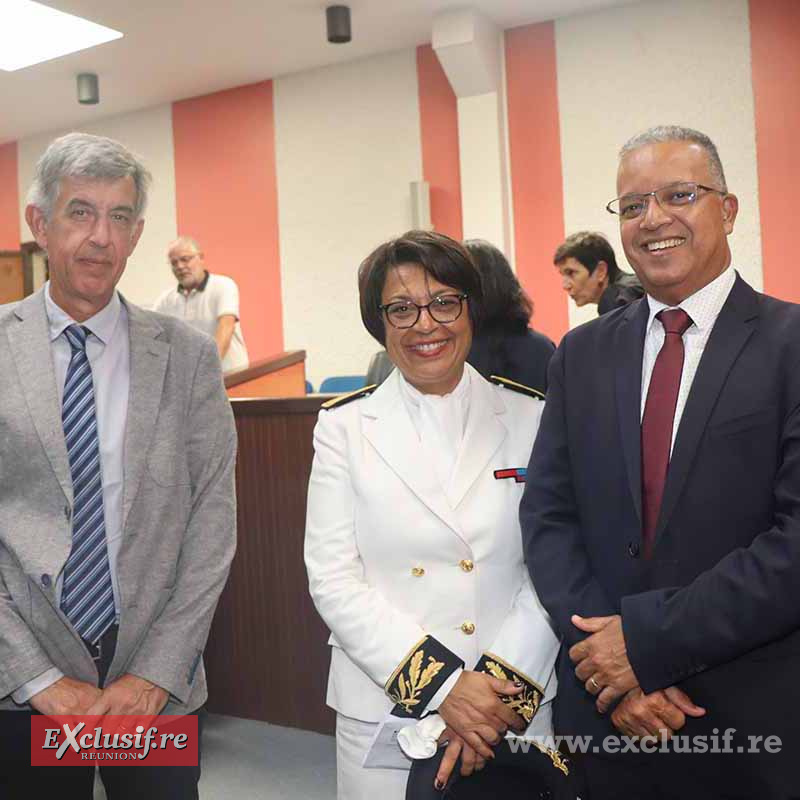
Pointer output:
x,y
289,183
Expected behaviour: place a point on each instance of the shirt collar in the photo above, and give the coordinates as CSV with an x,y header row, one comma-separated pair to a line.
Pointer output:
x,y
199,288
704,305
102,324
415,396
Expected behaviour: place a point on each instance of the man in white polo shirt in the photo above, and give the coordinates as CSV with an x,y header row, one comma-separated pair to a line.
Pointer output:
x,y
207,302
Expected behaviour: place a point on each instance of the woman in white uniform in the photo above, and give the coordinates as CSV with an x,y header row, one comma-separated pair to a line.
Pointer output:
x,y
413,545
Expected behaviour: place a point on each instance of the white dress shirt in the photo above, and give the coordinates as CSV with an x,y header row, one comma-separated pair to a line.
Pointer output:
x,y
703,307
108,352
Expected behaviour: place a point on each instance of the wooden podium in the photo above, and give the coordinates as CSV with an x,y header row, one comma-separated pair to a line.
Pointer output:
x,y
281,375
267,656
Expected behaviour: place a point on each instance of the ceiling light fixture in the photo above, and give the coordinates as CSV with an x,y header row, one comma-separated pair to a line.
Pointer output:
x,y
31,33
338,19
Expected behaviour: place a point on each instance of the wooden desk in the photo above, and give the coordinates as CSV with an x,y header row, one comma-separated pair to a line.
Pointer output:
x,y
281,375
267,656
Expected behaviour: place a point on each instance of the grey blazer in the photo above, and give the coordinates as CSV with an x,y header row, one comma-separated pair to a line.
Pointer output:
x,y
179,508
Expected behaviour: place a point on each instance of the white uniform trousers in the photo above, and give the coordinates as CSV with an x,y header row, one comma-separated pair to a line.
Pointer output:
x,y
353,782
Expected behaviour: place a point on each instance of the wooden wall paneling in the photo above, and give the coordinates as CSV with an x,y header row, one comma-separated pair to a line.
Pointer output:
x,y
267,656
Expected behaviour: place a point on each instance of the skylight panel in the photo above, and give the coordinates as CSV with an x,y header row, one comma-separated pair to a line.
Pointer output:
x,y
31,33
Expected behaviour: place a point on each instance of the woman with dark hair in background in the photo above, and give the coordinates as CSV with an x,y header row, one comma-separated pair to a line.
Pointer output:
x,y
506,345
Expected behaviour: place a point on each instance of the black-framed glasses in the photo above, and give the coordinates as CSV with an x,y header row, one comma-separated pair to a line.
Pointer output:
x,y
444,308
672,197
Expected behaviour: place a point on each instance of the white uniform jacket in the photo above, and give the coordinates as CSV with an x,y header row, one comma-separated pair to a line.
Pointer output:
x,y
391,559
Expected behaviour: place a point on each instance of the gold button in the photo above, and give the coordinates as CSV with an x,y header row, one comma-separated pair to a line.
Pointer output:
x,y
468,628
466,565
417,572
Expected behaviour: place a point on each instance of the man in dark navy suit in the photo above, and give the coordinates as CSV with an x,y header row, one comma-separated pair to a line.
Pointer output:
x,y
661,516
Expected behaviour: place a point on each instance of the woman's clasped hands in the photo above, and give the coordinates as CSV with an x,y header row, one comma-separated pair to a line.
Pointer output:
x,y
477,719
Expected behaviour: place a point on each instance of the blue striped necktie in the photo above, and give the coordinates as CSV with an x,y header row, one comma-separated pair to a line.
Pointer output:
x,y
87,597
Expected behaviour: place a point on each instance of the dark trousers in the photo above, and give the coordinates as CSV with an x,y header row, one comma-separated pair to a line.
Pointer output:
x,y
20,781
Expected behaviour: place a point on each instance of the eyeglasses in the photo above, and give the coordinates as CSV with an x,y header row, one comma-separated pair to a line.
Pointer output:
x,y
672,197
444,308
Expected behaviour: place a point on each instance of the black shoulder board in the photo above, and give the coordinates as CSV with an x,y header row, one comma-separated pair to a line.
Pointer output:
x,y
517,387
335,402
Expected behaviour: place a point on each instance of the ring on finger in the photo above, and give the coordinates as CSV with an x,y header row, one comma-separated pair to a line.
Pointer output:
x,y
594,683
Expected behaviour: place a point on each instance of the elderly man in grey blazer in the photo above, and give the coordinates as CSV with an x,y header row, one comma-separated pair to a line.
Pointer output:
x,y
117,505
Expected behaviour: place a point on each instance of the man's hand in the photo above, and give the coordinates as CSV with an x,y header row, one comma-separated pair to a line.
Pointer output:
x,y
65,696
657,714
475,712
128,695
602,659
470,760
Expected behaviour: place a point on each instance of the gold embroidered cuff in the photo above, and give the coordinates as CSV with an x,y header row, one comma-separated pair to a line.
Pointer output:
x,y
419,676
525,704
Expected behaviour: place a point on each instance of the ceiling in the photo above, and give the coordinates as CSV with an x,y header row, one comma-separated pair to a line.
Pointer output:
x,y
173,49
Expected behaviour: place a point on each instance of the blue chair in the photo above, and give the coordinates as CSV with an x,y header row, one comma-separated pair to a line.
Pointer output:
x,y
309,388
340,384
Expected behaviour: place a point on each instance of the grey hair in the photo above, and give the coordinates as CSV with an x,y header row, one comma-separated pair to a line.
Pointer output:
x,y
187,241
675,133
82,155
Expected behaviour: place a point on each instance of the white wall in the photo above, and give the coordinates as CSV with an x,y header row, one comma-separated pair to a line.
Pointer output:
x,y
347,142
147,133
348,145
483,166
622,70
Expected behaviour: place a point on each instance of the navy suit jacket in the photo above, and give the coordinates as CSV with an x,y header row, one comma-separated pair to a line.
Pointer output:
x,y
522,357
716,610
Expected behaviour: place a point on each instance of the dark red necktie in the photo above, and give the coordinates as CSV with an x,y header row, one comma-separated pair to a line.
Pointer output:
x,y
659,415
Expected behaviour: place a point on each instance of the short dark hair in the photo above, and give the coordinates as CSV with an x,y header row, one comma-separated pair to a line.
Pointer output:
x,y
443,258
506,306
589,248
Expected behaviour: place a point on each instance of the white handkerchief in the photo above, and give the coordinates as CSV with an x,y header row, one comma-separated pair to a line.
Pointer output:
x,y
384,750
420,740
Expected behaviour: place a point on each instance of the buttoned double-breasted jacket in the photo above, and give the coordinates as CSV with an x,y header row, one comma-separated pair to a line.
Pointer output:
x,y
395,560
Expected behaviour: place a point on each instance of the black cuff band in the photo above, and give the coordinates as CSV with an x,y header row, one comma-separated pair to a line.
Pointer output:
x,y
526,704
417,679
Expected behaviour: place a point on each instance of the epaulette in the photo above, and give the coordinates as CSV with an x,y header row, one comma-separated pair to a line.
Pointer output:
x,y
335,402
517,387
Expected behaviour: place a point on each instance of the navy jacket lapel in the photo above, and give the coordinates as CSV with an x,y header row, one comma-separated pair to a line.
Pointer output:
x,y
734,326
628,350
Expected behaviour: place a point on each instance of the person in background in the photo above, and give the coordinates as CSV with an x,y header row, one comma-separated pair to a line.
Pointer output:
x,y
589,273
505,345
207,301
117,501
413,545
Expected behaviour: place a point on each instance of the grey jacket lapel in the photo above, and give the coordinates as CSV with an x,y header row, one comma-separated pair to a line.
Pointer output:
x,y
30,345
149,356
